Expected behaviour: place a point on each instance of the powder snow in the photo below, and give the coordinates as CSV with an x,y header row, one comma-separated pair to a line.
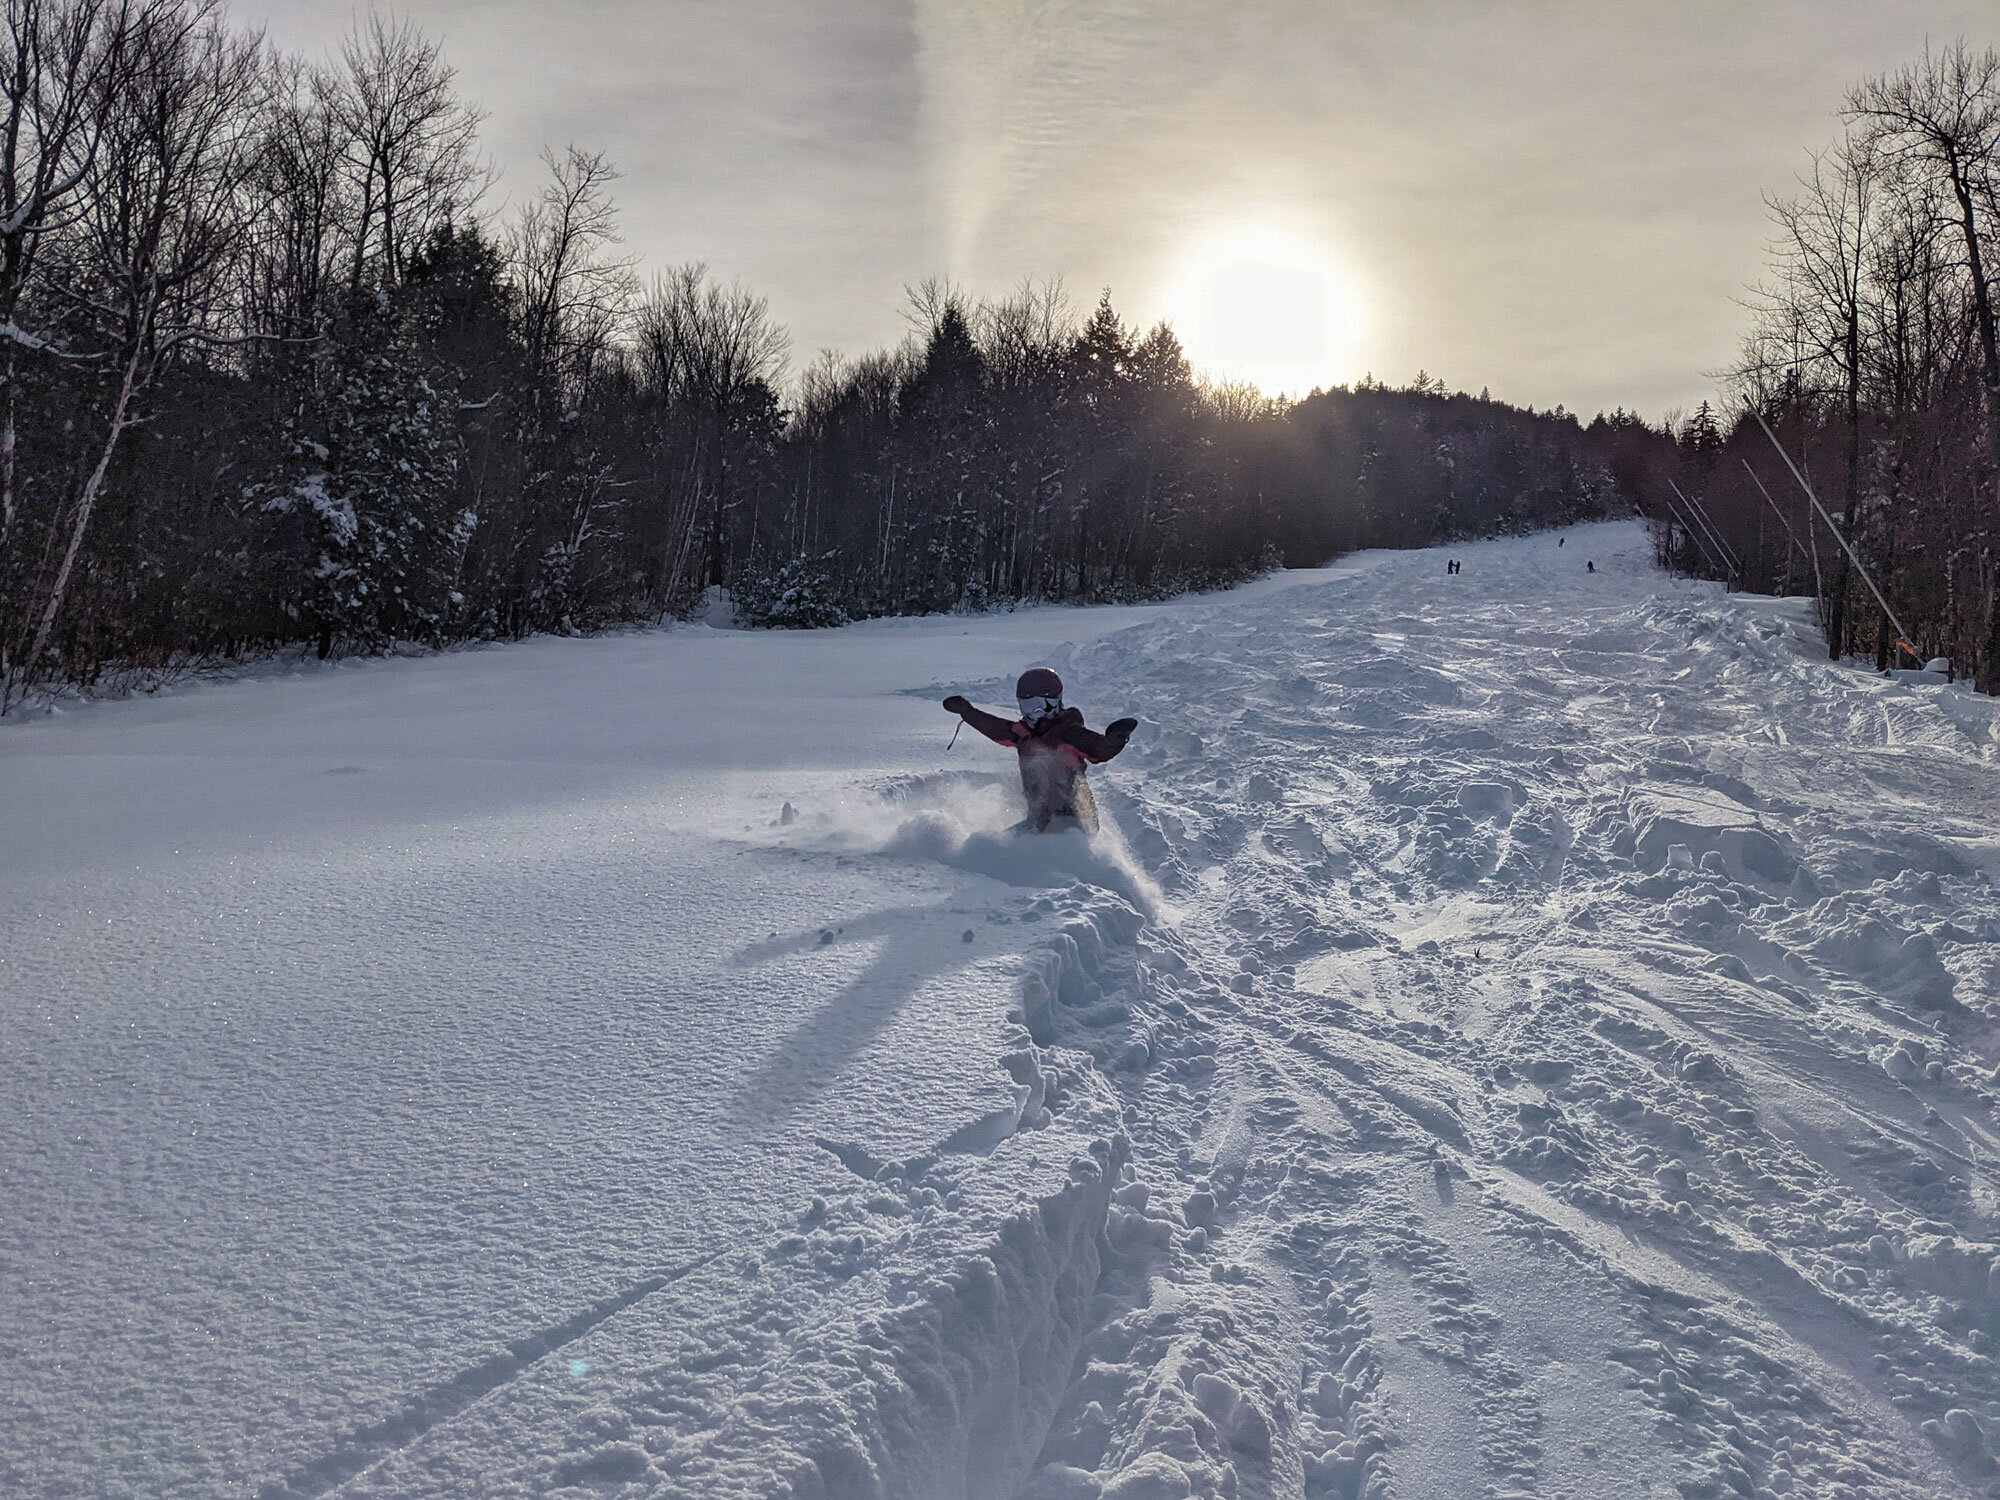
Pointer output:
x,y
1521,1032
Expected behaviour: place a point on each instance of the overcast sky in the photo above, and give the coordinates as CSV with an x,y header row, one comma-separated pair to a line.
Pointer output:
x,y
1556,199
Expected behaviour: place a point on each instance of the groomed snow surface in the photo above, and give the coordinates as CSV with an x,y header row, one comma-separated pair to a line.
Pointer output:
x,y
1529,1032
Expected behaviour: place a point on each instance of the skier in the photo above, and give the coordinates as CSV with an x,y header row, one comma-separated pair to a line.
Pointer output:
x,y
1054,747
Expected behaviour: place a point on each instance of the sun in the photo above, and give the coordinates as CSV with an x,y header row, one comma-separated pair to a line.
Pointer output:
x,y
1269,309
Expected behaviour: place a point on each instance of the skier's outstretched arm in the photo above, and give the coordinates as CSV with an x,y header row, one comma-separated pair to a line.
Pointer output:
x,y
995,728
1101,747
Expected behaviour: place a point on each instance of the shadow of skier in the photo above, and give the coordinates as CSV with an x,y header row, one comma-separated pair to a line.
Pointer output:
x,y
915,946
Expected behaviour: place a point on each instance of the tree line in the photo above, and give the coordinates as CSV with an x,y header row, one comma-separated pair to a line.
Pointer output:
x,y
1874,360
272,378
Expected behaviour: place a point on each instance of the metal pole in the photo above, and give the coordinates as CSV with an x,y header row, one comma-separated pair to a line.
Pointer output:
x,y
1790,535
1693,535
1819,585
1694,506
1902,636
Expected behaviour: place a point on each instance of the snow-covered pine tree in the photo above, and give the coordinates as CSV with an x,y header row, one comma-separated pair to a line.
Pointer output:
x,y
378,490
802,593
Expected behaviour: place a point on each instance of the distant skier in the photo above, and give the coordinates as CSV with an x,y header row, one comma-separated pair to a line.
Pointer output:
x,y
1560,540
1054,748
1590,566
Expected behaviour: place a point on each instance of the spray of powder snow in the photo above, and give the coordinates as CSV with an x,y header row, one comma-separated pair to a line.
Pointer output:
x,y
970,822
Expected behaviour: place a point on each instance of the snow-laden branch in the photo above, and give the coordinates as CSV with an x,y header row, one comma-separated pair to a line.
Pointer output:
x,y
19,335
13,333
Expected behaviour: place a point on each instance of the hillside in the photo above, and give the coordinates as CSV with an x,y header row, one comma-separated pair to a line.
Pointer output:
x,y
1525,1032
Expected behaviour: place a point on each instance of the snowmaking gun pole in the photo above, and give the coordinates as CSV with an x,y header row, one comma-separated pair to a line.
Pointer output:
x,y
1693,535
1819,583
1728,547
1902,636
1675,518
1812,542
1730,564
1696,535
1790,535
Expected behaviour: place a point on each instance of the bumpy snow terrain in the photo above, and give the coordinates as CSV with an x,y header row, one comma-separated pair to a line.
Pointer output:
x,y
1529,1032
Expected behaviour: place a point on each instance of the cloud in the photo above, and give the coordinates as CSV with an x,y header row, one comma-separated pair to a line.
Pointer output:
x,y
1556,200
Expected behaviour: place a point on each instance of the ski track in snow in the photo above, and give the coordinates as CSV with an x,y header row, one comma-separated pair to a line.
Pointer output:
x,y
1524,1033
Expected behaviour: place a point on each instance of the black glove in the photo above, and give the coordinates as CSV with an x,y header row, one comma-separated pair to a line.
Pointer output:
x,y
957,704
1121,729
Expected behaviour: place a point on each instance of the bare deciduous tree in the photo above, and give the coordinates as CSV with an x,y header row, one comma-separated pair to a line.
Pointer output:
x,y
713,354
1940,119
59,58
158,219
573,292
1941,116
303,204
411,143
1812,318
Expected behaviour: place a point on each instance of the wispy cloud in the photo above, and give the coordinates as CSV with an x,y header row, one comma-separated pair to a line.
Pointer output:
x,y
1556,200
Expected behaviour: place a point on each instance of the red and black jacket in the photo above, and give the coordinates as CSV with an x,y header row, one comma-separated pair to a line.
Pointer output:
x,y
1062,729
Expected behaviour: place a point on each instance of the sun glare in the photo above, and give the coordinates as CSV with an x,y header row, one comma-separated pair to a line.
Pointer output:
x,y
1267,309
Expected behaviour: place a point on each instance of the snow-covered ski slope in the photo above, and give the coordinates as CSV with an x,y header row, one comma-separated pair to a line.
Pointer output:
x,y
1521,1033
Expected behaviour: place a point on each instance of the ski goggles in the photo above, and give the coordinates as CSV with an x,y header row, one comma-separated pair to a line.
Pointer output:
x,y
1035,709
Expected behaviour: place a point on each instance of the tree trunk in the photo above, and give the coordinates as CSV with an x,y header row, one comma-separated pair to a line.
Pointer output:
x,y
87,501
1851,509
718,515
1989,361
1989,679
8,430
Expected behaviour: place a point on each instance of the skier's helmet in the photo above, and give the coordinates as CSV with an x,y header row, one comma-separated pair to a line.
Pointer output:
x,y
1039,692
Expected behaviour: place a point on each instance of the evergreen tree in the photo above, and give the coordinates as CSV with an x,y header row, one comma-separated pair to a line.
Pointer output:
x,y
377,493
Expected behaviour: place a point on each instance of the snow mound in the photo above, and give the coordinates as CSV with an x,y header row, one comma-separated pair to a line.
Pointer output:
x,y
1699,822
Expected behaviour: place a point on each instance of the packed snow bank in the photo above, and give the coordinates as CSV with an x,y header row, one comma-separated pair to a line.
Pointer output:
x,y
1526,1031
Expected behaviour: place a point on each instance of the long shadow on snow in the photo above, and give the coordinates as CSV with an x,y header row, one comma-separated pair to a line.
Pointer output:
x,y
919,945
367,1446
915,947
